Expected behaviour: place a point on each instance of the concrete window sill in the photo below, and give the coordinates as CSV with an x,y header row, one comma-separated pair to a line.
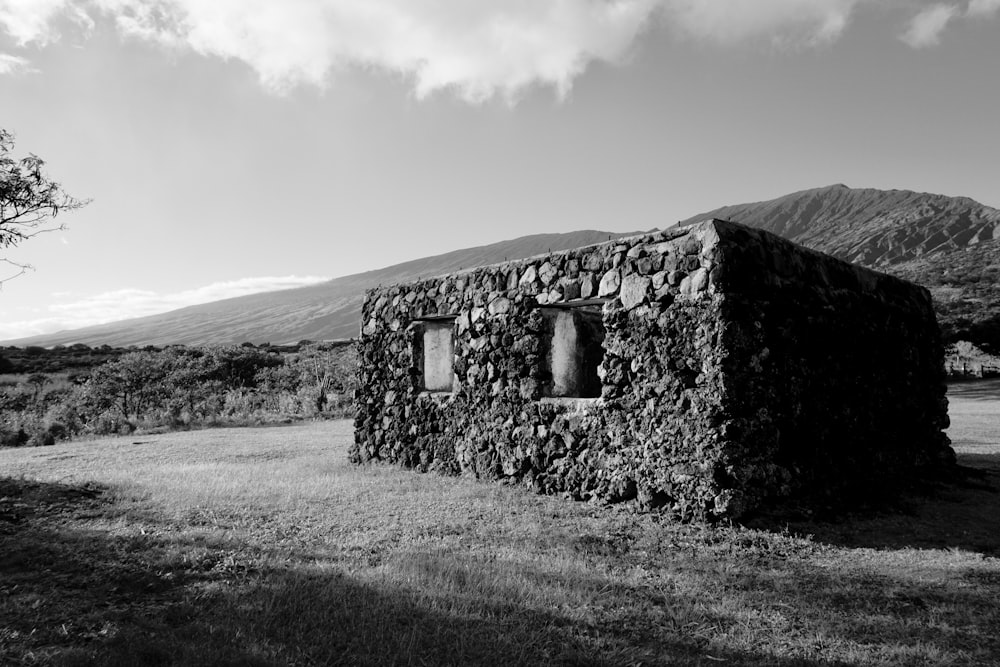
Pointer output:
x,y
575,403
436,395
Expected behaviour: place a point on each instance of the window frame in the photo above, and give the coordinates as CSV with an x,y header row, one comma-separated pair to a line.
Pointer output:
x,y
573,375
424,326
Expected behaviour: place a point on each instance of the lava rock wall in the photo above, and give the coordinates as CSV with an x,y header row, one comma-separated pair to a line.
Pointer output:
x,y
737,367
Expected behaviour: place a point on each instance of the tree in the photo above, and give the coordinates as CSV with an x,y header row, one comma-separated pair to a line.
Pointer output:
x,y
130,384
29,200
38,381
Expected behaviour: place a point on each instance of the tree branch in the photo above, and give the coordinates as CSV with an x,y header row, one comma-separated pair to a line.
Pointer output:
x,y
29,200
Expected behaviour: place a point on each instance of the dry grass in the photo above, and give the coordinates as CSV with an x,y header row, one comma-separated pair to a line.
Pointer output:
x,y
265,547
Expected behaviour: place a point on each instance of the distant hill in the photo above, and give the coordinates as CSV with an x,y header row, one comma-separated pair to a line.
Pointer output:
x,y
949,244
326,311
965,284
875,228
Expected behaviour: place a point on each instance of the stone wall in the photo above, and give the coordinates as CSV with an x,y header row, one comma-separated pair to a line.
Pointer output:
x,y
736,367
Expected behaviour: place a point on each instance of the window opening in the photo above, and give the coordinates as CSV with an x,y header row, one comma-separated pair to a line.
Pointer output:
x,y
438,345
575,350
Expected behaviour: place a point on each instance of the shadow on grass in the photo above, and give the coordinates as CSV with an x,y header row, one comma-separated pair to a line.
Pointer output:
x,y
66,590
957,513
975,389
882,617
70,595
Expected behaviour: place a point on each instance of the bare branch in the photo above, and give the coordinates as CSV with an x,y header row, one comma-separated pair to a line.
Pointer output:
x,y
29,199
21,270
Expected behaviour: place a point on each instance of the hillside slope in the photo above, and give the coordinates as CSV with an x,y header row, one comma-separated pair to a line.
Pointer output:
x,y
326,311
949,244
965,284
875,228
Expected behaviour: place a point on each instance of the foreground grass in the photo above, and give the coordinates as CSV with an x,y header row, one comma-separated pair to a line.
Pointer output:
x,y
265,547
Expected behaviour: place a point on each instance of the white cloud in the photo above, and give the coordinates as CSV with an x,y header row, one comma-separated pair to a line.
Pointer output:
x,y
27,21
925,28
128,303
477,48
10,64
984,8
805,22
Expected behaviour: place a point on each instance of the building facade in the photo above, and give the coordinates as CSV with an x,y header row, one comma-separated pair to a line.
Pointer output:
x,y
707,369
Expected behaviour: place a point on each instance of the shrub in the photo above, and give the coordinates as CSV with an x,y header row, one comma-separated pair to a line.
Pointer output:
x,y
58,431
178,387
41,439
13,438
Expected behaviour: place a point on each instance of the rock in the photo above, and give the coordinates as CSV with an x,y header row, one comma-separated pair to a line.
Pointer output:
x,y
499,306
633,290
528,277
547,273
593,261
570,288
690,263
609,283
699,281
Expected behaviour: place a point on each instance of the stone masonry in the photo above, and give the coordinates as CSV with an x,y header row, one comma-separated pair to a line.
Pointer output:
x,y
707,370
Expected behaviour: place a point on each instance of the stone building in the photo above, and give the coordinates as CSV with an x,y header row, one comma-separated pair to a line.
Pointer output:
x,y
706,369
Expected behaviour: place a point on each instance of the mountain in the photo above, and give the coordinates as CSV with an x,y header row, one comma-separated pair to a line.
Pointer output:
x,y
965,284
875,228
326,311
949,244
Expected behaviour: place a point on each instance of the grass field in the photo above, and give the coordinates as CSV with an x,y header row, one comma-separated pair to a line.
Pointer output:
x,y
265,547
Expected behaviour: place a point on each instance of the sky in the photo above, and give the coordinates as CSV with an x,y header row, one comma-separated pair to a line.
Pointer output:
x,y
234,146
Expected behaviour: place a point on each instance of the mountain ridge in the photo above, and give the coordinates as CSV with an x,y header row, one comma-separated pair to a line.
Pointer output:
x,y
949,244
325,311
874,228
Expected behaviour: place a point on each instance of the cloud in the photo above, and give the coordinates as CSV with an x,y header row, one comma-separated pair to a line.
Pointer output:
x,y
33,21
925,28
803,22
985,8
478,48
10,64
128,303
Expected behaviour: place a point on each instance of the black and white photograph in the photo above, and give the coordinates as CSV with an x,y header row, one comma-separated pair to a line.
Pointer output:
x,y
499,332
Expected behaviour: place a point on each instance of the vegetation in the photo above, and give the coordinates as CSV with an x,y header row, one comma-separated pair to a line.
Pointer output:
x,y
965,284
177,387
265,547
74,359
29,199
